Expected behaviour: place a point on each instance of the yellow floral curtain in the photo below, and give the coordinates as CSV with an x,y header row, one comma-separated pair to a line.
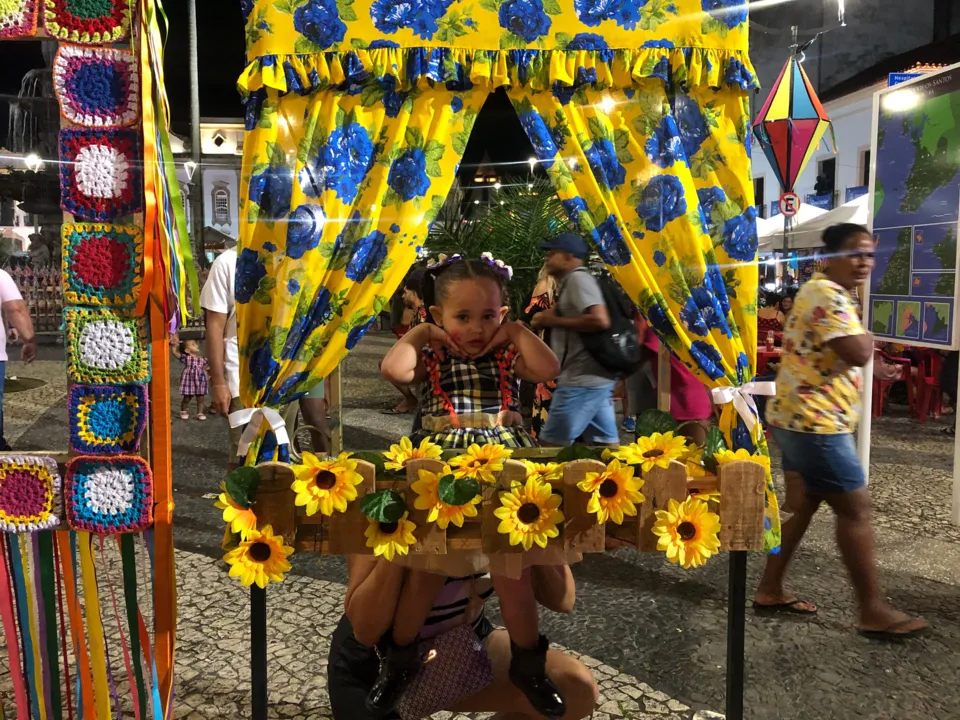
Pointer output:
x,y
358,112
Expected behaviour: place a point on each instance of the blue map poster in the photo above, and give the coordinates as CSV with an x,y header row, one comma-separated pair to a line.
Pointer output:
x,y
916,212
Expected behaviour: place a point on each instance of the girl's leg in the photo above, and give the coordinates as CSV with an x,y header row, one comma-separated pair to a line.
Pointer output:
x,y
528,648
199,405
184,404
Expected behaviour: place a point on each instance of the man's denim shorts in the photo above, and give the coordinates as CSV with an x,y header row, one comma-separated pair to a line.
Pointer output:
x,y
581,413
829,464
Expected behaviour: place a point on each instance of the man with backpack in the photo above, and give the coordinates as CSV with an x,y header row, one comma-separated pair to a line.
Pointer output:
x,y
596,343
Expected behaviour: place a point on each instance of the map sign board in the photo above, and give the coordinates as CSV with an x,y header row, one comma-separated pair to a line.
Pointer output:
x,y
915,211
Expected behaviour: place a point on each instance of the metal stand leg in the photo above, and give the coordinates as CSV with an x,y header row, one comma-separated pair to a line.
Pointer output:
x,y
736,624
258,651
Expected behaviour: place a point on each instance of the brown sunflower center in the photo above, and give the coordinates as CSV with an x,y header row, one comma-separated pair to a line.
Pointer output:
x,y
528,513
389,528
608,488
325,479
687,530
260,552
655,453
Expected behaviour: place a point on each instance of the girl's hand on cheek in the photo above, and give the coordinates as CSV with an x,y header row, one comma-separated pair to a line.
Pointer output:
x,y
505,334
439,339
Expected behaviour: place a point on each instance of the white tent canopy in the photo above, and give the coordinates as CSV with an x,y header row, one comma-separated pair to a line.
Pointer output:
x,y
807,232
770,230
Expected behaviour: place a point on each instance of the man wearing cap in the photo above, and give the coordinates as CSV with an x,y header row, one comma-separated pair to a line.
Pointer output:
x,y
582,405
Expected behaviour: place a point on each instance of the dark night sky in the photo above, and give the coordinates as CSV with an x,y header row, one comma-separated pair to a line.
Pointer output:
x,y
221,58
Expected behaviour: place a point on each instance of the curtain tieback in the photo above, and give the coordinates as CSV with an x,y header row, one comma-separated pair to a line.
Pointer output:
x,y
742,399
252,417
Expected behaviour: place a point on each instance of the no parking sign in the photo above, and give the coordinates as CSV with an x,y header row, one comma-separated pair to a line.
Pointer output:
x,y
789,204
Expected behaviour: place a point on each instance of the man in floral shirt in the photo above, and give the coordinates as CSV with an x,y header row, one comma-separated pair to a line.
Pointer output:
x,y
813,417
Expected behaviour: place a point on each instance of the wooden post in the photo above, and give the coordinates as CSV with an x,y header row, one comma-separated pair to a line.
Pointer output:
x,y
660,486
581,531
347,528
741,505
431,540
336,411
663,378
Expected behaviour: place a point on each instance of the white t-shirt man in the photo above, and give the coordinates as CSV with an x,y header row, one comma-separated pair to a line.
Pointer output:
x,y
9,293
217,296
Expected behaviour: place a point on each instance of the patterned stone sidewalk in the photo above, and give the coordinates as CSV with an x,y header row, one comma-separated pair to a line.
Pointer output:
x,y
46,381
213,679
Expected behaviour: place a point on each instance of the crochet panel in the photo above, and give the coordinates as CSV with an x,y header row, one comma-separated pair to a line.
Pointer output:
x,y
101,264
97,87
106,347
29,493
106,419
109,495
100,173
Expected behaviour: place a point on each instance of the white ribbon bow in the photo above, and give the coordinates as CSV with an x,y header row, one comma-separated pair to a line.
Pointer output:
x,y
252,417
742,399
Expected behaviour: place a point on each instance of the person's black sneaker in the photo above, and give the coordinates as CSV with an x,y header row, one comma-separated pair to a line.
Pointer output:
x,y
528,671
399,666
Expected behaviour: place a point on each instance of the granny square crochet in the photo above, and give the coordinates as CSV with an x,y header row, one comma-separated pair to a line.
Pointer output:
x,y
107,495
106,347
18,18
86,22
105,419
97,87
100,173
29,493
101,264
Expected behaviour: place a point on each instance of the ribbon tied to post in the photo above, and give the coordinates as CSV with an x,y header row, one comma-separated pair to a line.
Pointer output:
x,y
742,399
252,418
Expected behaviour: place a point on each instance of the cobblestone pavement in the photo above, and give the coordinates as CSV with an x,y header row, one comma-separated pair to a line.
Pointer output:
x,y
649,627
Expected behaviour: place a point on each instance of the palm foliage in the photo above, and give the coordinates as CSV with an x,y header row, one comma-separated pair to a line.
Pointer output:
x,y
524,214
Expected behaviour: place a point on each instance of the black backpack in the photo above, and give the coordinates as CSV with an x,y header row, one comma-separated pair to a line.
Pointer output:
x,y
616,349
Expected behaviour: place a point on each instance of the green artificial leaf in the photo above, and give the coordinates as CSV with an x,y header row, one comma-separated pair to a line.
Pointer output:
x,y
598,129
413,138
433,168
714,444
655,421
386,506
241,485
375,459
457,491
579,452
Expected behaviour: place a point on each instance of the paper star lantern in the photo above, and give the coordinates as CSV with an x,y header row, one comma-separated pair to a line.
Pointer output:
x,y
791,124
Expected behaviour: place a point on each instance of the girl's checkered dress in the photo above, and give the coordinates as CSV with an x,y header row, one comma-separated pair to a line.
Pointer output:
x,y
460,392
193,380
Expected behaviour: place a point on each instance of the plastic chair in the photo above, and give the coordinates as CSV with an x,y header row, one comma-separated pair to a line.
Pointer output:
x,y
929,394
880,387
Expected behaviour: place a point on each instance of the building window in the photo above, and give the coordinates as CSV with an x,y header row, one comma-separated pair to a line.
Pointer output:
x,y
220,197
758,197
865,167
826,178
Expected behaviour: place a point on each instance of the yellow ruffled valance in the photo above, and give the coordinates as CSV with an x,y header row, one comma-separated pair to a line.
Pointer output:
x,y
459,69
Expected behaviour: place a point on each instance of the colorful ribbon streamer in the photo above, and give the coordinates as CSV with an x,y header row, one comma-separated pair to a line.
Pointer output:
x,y
98,650
7,616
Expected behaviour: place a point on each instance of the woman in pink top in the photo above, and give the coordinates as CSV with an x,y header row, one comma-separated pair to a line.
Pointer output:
x,y
689,398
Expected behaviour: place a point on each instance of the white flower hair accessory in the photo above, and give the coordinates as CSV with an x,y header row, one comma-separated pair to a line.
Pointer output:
x,y
497,264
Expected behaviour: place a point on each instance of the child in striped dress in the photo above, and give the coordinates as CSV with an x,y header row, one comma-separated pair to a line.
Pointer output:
x,y
469,361
193,379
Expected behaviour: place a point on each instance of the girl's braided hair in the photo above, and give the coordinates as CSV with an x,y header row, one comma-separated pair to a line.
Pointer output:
x,y
437,280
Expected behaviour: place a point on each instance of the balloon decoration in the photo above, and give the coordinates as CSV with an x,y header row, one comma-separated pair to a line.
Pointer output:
x,y
791,123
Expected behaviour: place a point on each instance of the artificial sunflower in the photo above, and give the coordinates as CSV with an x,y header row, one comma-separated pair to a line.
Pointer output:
x,y
238,518
694,462
480,462
708,496
427,489
547,472
326,485
398,455
728,456
653,450
260,558
688,532
390,538
529,514
614,492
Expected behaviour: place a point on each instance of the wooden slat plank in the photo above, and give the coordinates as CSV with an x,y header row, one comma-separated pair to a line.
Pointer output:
x,y
660,486
581,531
493,542
346,529
741,505
273,502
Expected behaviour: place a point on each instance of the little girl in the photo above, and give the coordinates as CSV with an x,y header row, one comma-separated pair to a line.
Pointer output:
x,y
469,362
193,380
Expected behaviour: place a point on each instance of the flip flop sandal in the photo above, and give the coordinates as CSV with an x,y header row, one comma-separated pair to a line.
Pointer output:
x,y
394,411
790,608
184,416
890,634
201,416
